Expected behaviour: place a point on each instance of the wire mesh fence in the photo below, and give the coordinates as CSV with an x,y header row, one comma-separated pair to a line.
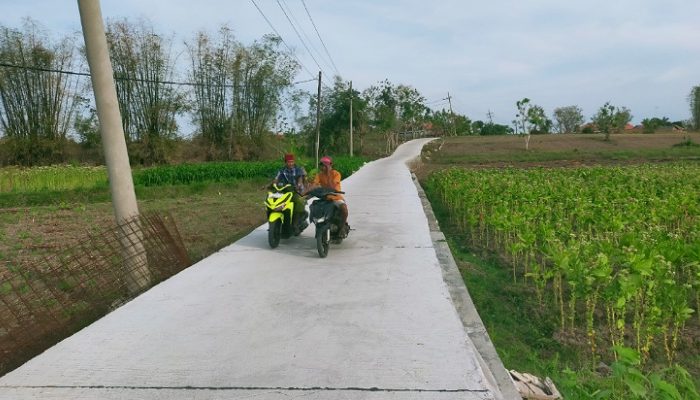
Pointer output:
x,y
43,303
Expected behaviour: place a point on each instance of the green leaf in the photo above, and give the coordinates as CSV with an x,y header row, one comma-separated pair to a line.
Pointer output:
x,y
664,390
627,355
636,388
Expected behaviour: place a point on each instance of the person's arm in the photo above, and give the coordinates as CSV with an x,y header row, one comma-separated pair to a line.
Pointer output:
x,y
336,181
276,179
301,180
312,185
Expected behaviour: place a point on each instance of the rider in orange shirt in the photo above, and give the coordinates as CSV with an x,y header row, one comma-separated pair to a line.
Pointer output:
x,y
330,178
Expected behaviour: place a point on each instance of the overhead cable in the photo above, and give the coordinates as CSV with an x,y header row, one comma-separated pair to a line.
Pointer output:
x,y
281,38
319,37
303,31
121,78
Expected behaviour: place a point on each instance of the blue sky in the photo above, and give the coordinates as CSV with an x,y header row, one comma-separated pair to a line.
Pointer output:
x,y
643,54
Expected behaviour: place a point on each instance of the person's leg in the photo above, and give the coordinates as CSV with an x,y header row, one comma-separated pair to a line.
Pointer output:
x,y
299,207
299,203
344,227
344,213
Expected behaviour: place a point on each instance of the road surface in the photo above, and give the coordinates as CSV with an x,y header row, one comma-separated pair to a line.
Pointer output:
x,y
373,320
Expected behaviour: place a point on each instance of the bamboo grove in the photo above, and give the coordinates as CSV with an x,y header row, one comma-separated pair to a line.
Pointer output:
x,y
615,249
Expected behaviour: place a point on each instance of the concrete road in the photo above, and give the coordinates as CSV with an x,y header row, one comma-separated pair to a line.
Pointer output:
x,y
373,320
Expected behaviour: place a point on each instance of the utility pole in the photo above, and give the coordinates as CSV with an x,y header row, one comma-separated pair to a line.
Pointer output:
x,y
121,184
318,116
452,115
490,115
350,118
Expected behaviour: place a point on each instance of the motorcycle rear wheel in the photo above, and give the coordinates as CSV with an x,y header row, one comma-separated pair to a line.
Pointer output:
x,y
323,243
274,233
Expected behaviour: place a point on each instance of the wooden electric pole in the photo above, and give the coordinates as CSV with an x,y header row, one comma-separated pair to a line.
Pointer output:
x,y
318,116
350,118
452,115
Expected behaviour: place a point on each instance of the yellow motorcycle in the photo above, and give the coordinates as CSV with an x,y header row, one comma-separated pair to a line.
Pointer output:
x,y
280,212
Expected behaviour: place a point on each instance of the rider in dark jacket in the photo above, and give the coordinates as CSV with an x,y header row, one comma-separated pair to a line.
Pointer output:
x,y
295,176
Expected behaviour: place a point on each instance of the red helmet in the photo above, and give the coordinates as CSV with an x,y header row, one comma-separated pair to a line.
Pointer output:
x,y
288,157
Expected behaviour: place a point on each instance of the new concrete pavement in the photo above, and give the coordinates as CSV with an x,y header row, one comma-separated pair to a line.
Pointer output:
x,y
376,319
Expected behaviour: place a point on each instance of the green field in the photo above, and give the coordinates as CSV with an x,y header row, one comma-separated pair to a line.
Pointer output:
x,y
566,262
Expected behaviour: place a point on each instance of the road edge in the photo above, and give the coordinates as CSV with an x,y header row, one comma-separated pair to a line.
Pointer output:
x,y
462,301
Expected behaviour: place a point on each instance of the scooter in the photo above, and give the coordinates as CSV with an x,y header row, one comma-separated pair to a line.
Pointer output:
x,y
326,216
280,211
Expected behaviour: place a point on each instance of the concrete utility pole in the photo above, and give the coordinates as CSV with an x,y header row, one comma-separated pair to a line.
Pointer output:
x,y
350,118
318,116
121,184
452,115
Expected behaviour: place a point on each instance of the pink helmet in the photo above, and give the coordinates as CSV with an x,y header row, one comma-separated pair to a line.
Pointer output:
x,y
326,160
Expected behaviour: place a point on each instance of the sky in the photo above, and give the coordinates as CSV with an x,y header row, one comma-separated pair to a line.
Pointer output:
x,y
639,54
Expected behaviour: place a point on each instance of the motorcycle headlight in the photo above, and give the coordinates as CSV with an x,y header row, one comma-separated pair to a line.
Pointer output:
x,y
319,220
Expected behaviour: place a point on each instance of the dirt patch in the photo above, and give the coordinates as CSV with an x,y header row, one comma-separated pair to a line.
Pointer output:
x,y
555,151
509,144
207,221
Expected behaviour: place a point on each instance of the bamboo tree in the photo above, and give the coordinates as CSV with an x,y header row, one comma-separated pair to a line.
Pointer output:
x,y
142,65
37,106
211,63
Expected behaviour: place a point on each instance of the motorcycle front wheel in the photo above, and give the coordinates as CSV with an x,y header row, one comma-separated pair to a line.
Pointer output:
x,y
274,233
323,243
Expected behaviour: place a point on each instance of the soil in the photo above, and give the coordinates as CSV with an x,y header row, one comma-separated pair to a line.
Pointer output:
x,y
566,150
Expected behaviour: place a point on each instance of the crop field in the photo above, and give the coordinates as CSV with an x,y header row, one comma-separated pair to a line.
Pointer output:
x,y
615,249
59,178
51,178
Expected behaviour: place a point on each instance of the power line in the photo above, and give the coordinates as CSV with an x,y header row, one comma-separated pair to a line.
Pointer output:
x,y
324,75
31,68
121,78
303,31
280,36
308,80
434,102
299,35
319,37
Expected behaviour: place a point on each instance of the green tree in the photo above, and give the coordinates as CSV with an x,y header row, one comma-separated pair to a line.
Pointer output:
x,y
694,100
211,61
262,73
399,107
491,128
445,122
568,119
538,120
610,119
238,97
142,65
335,118
522,120
37,107
530,119
411,107
382,106
652,124
392,109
